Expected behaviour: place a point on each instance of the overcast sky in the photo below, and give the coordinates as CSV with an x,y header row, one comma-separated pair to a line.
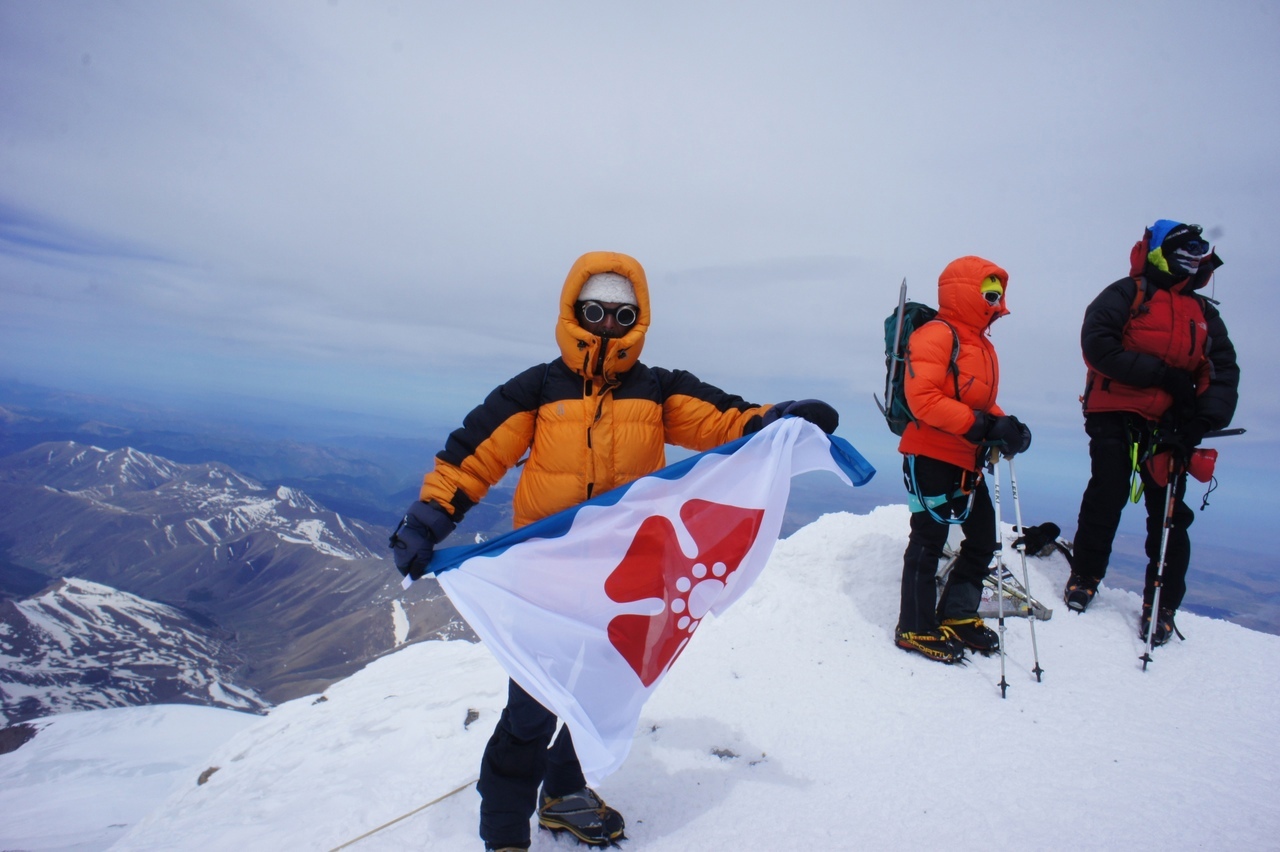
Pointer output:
x,y
373,205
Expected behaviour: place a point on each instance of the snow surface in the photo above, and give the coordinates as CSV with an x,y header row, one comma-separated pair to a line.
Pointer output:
x,y
87,777
790,723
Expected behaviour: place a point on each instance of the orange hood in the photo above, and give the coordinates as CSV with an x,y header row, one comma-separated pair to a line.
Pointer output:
x,y
595,357
960,298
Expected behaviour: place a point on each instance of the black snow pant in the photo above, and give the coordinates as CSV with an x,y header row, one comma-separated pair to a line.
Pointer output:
x,y
1110,436
516,762
921,609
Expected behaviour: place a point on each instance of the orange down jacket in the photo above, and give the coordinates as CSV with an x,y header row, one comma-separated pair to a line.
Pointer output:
x,y
944,403
591,420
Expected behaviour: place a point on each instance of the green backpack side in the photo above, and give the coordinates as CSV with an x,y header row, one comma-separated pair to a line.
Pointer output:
x,y
898,327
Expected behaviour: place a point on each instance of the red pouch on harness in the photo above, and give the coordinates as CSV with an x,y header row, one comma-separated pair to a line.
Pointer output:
x,y
1200,466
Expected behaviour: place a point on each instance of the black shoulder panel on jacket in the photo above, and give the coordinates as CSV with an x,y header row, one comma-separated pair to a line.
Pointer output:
x,y
522,393
684,383
640,382
562,383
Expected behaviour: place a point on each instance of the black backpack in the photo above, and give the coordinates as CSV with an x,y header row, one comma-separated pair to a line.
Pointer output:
x,y
898,327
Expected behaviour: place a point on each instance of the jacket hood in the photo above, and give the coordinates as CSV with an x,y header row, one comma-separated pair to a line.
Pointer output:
x,y
960,298
1153,238
588,355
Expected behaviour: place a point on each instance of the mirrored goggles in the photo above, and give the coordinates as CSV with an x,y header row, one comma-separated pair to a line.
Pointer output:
x,y
623,315
1189,254
992,296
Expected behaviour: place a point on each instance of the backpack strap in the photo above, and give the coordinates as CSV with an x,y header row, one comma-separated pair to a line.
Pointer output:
x,y
952,366
1142,292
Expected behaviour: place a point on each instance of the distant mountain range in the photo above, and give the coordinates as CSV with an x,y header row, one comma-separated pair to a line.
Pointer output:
x,y
82,645
304,595
272,540
363,475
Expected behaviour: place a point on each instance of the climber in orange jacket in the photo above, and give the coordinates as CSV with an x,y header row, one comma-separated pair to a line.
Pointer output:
x,y
952,378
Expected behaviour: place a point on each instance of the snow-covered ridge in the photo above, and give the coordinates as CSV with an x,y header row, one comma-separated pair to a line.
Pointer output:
x,y
115,470
793,722
204,504
82,644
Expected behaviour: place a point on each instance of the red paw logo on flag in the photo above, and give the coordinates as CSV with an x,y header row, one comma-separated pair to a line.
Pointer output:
x,y
656,567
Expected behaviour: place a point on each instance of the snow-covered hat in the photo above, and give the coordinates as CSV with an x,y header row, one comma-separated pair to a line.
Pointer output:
x,y
608,287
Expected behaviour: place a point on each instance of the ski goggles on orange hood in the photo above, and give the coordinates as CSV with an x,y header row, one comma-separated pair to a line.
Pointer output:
x,y
992,290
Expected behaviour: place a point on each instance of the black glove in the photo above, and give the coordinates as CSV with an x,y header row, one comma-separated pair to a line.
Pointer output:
x,y
1009,434
1038,540
815,411
1184,439
978,431
1181,385
421,529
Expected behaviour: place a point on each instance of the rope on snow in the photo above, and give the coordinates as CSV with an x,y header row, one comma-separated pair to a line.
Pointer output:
x,y
435,801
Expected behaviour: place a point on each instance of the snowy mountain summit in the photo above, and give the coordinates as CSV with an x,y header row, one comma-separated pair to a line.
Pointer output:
x,y
80,645
204,504
306,594
792,722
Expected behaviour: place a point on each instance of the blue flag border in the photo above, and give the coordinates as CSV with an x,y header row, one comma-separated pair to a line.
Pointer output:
x,y
846,457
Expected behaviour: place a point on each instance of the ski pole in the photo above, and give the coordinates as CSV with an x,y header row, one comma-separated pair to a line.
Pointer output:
x,y
1022,552
995,468
1174,473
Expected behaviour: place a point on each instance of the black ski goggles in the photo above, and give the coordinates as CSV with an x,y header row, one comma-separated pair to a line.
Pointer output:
x,y
623,315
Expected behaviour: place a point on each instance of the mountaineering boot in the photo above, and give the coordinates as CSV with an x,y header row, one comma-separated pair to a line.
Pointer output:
x,y
941,644
1079,592
584,815
974,634
1165,628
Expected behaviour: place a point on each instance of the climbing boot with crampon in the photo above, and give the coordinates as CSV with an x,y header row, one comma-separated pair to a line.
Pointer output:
x,y
973,633
941,644
584,815
1165,628
1079,592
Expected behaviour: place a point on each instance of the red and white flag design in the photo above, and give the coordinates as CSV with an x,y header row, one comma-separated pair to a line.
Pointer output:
x,y
589,608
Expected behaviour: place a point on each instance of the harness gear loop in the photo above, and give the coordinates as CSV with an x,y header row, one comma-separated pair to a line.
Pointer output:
x,y
917,502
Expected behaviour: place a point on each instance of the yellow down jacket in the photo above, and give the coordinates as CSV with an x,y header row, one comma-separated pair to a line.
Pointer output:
x,y
591,420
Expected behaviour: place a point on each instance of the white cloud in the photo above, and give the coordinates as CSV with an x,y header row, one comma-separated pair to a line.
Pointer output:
x,y
373,184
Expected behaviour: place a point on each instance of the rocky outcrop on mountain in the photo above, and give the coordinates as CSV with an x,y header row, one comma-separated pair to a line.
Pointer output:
x,y
82,645
83,501
305,593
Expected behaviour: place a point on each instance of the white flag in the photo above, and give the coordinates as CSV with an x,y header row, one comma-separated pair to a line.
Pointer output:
x,y
588,608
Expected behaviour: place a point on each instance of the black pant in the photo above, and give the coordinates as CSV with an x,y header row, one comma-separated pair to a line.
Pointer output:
x,y
516,761
963,592
1110,437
